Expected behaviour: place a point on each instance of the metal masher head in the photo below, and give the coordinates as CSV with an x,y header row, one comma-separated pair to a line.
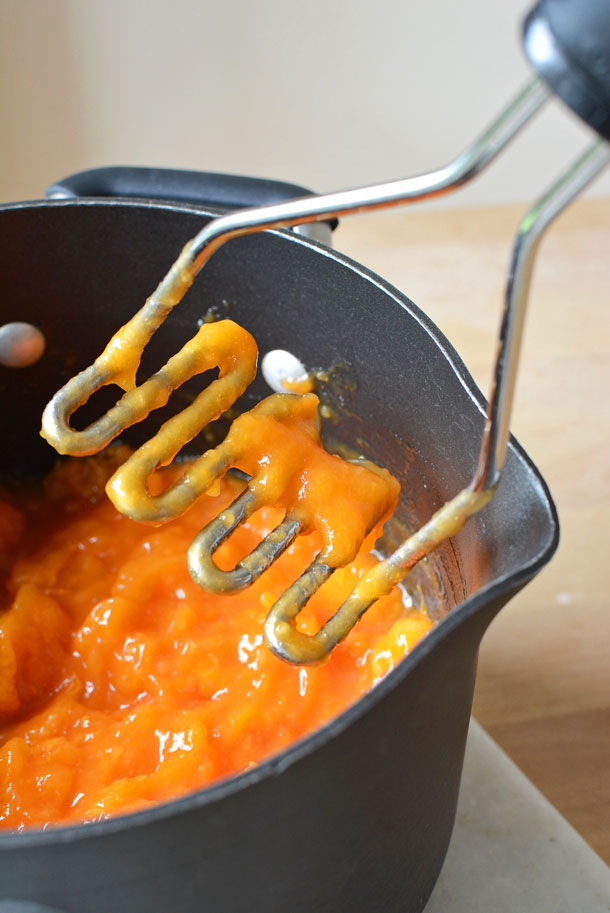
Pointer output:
x,y
590,98
275,445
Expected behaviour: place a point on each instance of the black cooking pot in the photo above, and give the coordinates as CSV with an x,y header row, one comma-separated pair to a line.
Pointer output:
x,y
357,817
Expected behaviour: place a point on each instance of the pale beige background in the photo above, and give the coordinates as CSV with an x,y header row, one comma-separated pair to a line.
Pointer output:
x,y
329,94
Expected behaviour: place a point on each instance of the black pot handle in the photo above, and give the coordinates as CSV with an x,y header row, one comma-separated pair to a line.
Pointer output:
x,y
204,188
568,44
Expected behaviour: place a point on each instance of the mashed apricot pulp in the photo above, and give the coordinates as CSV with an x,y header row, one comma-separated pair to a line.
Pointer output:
x,y
123,684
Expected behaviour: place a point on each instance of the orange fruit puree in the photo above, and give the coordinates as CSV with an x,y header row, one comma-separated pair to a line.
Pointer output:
x,y
122,684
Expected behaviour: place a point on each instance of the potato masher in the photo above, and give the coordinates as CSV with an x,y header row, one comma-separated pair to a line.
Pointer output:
x,y
568,44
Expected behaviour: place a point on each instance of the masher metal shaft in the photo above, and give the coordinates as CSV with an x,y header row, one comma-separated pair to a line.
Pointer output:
x,y
529,234
377,196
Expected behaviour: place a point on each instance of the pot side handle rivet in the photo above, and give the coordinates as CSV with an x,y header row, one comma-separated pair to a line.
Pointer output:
x,y
279,366
21,345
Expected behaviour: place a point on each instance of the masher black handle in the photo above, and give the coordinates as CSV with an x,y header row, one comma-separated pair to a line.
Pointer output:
x,y
568,44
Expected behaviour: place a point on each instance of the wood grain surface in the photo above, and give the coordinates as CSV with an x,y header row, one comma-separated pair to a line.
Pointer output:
x,y
543,686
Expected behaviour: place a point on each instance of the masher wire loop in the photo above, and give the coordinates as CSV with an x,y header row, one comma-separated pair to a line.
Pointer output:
x,y
204,570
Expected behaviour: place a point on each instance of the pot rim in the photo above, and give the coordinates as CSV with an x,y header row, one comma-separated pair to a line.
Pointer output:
x,y
275,764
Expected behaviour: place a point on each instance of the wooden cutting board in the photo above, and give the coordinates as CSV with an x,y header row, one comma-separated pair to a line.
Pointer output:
x,y
543,687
